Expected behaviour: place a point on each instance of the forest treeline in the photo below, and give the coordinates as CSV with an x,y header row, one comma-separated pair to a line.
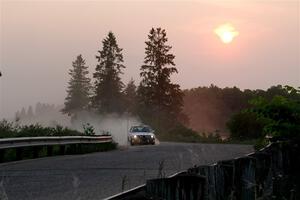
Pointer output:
x,y
209,110
227,110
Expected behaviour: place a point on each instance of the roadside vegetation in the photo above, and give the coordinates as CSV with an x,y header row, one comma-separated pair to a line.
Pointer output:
x,y
13,129
275,118
10,130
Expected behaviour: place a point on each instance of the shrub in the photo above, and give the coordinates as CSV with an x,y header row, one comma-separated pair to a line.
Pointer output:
x,y
7,129
246,125
33,130
278,117
88,129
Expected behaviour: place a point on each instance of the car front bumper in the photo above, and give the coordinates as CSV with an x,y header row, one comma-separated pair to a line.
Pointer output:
x,y
143,139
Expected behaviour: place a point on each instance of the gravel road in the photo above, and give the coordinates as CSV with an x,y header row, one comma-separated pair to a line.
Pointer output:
x,y
99,175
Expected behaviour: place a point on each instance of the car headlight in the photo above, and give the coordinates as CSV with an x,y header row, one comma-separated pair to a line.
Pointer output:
x,y
152,136
134,136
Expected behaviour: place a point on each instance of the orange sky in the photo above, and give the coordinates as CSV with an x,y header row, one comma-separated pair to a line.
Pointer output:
x,y
40,39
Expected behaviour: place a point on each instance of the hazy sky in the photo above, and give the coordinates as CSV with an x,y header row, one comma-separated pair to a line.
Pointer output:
x,y
40,39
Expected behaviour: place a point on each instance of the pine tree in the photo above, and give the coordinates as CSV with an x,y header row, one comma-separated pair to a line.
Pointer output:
x,y
79,88
156,91
130,97
108,96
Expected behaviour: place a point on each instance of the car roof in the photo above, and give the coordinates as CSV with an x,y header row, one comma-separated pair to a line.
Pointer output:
x,y
138,126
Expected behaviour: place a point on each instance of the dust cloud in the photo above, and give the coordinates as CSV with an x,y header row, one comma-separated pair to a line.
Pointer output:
x,y
115,124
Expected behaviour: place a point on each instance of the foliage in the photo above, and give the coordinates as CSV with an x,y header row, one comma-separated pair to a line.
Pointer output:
x,y
130,97
160,100
33,130
210,108
180,133
282,116
6,128
9,130
64,131
78,89
278,116
108,97
246,125
88,129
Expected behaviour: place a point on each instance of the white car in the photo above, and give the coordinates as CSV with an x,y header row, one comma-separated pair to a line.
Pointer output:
x,y
141,135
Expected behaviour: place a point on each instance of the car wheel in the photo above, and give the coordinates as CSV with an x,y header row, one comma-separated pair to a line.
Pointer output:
x,y
131,142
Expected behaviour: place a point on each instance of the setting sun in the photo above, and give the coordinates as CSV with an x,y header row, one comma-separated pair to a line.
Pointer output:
x,y
226,33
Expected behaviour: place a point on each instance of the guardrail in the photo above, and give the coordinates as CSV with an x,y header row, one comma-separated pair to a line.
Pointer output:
x,y
269,173
7,143
136,193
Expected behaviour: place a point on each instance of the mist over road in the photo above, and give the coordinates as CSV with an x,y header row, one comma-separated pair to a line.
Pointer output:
x,y
99,175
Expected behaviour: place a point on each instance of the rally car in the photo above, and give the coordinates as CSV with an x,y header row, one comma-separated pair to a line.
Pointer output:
x,y
141,135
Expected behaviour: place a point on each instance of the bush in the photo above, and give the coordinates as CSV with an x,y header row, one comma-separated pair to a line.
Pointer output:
x,y
33,130
88,129
64,131
278,117
246,125
9,130
180,133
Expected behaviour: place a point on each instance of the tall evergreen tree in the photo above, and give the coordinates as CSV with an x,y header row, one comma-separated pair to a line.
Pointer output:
x,y
108,96
79,88
130,97
156,89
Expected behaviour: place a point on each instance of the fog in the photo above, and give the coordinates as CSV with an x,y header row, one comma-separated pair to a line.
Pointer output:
x,y
40,39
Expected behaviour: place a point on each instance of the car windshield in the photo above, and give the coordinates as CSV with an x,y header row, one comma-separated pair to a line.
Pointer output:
x,y
140,129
